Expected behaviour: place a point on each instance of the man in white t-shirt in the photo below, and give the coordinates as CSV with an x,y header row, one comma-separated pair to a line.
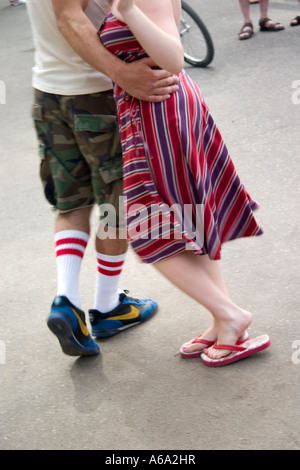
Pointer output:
x,y
81,161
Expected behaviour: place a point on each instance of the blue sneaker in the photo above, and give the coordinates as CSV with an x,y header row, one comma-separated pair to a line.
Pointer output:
x,y
68,323
130,312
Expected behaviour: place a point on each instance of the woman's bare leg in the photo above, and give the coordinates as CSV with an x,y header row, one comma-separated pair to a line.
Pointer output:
x,y
214,272
201,278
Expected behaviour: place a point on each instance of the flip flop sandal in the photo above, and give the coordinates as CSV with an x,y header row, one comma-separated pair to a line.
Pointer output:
x,y
198,339
297,21
237,352
191,355
248,33
273,27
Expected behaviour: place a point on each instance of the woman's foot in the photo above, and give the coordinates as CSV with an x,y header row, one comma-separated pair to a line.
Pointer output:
x,y
229,332
196,346
246,31
248,348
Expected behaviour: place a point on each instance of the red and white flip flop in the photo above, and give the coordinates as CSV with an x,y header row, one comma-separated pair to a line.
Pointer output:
x,y
237,352
198,339
191,355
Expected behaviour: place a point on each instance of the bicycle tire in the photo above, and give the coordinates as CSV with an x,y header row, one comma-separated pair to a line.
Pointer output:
x,y
195,22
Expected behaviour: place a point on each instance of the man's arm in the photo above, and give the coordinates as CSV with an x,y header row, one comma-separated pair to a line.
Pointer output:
x,y
138,79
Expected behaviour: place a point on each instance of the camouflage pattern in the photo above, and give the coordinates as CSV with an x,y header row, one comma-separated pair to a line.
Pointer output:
x,y
80,149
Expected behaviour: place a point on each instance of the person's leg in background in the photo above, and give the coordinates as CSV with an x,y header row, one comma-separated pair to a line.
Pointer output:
x,y
265,23
296,21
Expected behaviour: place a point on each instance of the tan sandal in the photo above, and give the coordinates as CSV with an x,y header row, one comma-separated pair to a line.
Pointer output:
x,y
246,31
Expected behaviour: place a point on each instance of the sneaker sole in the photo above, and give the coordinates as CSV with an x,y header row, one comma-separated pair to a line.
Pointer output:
x,y
69,344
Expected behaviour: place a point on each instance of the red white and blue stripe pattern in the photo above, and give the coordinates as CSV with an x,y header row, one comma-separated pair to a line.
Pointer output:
x,y
174,155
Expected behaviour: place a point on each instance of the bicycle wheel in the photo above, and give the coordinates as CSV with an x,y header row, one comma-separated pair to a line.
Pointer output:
x,y
196,40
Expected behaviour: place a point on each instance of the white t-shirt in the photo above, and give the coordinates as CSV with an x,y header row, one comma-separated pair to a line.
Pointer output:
x,y
58,69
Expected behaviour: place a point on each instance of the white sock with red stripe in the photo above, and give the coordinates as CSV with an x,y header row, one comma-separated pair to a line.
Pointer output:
x,y
69,247
107,282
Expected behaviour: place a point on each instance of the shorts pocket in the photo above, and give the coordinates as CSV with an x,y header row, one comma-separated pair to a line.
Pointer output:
x,y
100,143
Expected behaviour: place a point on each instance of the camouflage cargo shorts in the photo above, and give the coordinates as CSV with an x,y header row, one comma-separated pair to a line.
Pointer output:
x,y
80,149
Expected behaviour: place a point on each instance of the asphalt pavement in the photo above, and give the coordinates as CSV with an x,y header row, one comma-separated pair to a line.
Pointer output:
x,y
139,394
